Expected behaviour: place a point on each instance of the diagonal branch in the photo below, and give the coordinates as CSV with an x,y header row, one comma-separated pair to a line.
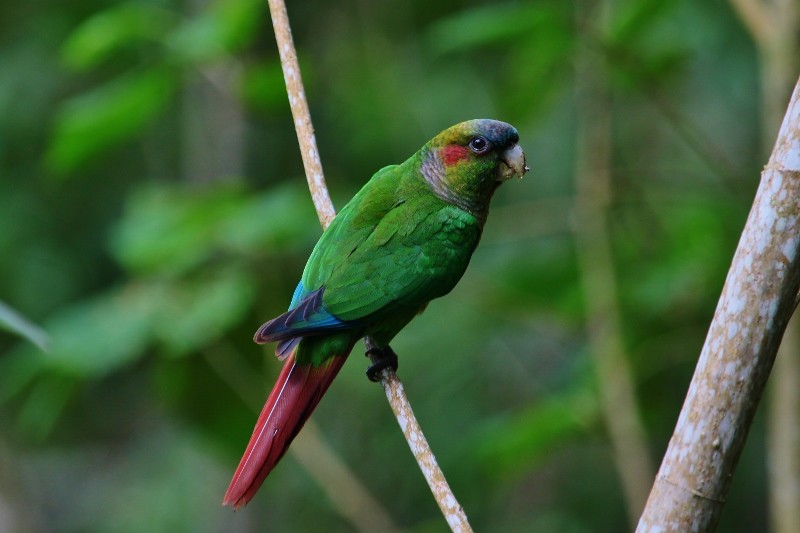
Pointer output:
x,y
392,385
756,303
775,28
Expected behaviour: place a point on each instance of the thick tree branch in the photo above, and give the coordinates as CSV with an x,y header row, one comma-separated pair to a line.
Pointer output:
x,y
774,26
392,385
756,303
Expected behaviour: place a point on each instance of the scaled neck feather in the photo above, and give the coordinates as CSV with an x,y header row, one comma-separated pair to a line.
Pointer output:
x,y
433,170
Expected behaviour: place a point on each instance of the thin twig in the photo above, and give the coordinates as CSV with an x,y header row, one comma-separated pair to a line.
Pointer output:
x,y
392,385
451,509
300,113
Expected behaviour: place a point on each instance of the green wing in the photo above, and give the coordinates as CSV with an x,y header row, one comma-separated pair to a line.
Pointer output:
x,y
394,245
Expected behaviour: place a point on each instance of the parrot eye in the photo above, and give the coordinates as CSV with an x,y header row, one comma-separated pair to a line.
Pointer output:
x,y
479,145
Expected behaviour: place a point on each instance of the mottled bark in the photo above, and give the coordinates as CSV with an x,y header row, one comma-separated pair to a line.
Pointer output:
x,y
775,28
757,301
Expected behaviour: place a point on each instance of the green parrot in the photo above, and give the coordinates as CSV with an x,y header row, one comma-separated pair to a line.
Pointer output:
x,y
404,239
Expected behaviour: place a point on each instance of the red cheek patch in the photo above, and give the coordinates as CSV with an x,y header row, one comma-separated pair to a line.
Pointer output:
x,y
453,154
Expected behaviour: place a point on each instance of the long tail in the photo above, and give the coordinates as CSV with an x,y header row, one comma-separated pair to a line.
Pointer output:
x,y
293,398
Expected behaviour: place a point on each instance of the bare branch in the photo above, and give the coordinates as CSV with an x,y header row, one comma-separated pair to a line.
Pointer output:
x,y
392,385
778,64
300,113
756,303
452,511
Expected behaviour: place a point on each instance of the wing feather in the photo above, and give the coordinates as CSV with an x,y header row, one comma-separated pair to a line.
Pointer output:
x,y
389,246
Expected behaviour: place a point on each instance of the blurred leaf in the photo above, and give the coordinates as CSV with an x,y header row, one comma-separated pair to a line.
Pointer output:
x,y
540,278
170,230
279,219
633,69
539,37
100,36
263,86
44,404
196,41
11,320
194,313
538,67
238,21
635,18
99,119
100,335
17,370
639,53
227,26
514,445
692,255
493,24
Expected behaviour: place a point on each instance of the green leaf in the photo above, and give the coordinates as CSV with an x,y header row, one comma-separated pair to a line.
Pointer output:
x,y
262,86
635,18
511,446
540,278
170,231
280,218
100,335
13,321
44,404
493,24
102,35
91,123
194,313
226,27
18,369
238,21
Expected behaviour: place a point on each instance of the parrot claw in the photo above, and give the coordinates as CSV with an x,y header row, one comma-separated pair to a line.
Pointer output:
x,y
381,358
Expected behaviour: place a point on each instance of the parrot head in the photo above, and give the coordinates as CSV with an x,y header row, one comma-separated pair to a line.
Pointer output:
x,y
466,163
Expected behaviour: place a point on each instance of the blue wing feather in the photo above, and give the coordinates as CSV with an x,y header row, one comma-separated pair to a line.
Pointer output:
x,y
306,316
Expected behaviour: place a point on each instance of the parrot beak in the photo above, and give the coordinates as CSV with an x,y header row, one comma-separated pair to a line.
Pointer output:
x,y
512,163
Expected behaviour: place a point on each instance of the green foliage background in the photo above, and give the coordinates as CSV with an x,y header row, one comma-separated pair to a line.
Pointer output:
x,y
153,214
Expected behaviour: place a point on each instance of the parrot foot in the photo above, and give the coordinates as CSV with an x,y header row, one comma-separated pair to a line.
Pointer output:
x,y
381,358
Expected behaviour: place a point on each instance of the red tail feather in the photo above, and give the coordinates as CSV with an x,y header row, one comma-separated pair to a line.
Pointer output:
x,y
292,400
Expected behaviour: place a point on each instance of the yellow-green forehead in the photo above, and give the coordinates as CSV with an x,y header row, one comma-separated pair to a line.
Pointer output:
x,y
497,132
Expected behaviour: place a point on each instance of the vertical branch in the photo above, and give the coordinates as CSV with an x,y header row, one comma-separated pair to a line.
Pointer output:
x,y
300,113
757,301
393,387
606,345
